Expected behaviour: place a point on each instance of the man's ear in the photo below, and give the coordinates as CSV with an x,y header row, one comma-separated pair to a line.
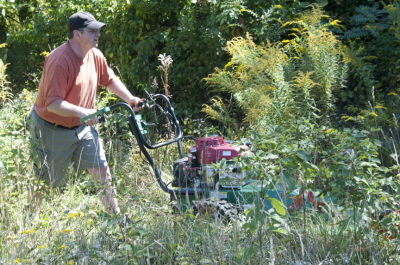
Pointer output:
x,y
77,34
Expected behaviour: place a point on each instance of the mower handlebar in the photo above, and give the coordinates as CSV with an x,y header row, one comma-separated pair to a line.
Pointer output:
x,y
142,102
135,124
99,112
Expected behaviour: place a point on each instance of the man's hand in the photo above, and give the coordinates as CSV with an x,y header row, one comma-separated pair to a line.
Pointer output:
x,y
86,112
134,102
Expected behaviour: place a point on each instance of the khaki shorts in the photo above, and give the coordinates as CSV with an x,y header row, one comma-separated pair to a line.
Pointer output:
x,y
55,148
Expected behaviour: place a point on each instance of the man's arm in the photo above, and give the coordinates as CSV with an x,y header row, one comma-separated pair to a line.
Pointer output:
x,y
119,89
66,109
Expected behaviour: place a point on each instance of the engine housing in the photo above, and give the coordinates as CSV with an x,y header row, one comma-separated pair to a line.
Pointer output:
x,y
197,169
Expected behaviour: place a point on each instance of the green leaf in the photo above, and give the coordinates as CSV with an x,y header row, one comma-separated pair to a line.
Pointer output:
x,y
282,231
322,3
278,205
289,180
304,155
271,156
368,164
374,159
126,247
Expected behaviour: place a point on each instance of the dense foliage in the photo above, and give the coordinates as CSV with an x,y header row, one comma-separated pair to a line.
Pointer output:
x,y
194,33
282,82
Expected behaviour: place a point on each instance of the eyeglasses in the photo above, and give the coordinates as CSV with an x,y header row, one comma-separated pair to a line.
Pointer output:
x,y
92,31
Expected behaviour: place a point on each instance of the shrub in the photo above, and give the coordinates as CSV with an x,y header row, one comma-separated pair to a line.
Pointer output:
x,y
280,83
5,90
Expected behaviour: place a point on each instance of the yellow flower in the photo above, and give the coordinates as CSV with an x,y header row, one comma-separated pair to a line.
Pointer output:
x,y
361,117
228,64
61,247
71,262
68,231
392,94
28,232
391,8
73,214
328,131
45,54
349,118
335,22
374,114
380,107
18,260
41,247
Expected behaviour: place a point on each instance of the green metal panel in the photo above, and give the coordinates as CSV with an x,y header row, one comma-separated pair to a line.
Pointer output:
x,y
249,195
139,120
246,196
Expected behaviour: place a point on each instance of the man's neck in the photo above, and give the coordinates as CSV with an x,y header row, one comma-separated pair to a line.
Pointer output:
x,y
78,49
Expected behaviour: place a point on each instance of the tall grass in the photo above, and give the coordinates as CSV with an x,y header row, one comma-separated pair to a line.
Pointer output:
x,y
73,228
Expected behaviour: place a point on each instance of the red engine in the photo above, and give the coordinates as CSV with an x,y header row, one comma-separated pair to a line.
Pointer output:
x,y
197,168
212,149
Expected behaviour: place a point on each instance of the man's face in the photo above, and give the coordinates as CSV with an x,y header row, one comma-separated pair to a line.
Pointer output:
x,y
90,37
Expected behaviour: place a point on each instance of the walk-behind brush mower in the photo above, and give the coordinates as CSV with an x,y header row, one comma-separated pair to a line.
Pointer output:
x,y
198,179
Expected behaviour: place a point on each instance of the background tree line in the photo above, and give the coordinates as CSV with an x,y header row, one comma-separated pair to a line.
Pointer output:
x,y
195,33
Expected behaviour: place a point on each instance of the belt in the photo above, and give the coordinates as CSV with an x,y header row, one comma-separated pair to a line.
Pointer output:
x,y
54,124
63,127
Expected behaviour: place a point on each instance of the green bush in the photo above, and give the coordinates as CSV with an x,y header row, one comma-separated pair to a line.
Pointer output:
x,y
5,90
343,166
373,50
280,83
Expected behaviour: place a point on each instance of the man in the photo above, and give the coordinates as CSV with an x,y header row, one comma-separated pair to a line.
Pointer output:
x,y
67,92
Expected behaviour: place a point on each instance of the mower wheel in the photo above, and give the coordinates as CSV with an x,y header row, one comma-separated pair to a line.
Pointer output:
x,y
217,209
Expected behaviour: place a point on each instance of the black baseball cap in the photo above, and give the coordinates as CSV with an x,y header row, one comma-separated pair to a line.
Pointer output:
x,y
84,20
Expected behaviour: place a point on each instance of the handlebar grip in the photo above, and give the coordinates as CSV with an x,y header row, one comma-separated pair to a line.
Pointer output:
x,y
102,111
140,103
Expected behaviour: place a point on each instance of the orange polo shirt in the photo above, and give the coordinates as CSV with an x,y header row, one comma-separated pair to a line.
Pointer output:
x,y
65,76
